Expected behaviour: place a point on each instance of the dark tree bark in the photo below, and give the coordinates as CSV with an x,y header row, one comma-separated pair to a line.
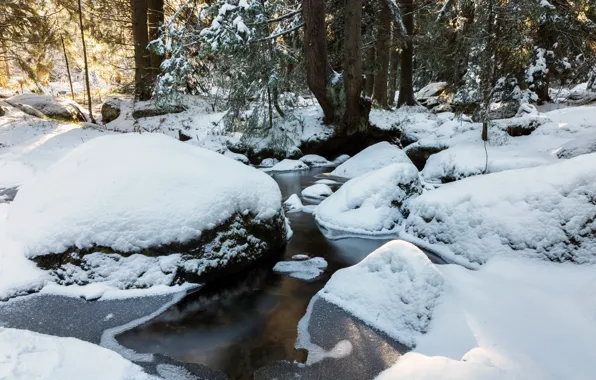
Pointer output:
x,y
383,43
393,71
142,57
67,68
315,55
369,79
155,20
85,62
353,116
406,87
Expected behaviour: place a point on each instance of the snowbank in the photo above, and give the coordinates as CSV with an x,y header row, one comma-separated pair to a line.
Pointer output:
x,y
514,318
300,269
371,158
314,160
288,165
371,203
132,192
546,212
577,147
394,289
317,191
27,355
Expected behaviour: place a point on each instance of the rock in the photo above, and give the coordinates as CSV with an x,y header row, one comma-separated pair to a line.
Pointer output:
x,y
372,158
577,147
317,191
503,110
314,160
2,113
289,165
269,162
237,157
209,217
57,109
110,110
431,89
419,152
148,109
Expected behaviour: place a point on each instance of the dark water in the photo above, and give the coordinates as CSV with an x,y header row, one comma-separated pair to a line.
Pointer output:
x,y
248,323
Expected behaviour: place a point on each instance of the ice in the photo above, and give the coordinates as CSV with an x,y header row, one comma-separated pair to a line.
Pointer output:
x,y
394,289
301,269
27,355
371,158
317,191
370,204
147,191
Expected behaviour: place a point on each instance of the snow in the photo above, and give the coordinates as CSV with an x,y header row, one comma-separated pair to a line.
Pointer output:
x,y
341,159
317,191
514,318
545,212
368,204
300,269
371,158
394,289
288,165
469,159
237,156
148,191
314,160
577,147
268,162
27,355
293,203
326,182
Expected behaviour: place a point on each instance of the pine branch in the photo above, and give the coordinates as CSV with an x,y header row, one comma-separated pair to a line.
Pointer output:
x,y
276,35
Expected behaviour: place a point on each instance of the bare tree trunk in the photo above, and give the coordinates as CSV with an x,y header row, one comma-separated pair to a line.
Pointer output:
x,y
393,70
67,68
383,42
86,64
406,87
369,79
353,67
315,55
155,16
488,68
142,57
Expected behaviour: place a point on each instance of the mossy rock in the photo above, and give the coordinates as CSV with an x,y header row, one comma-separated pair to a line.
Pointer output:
x,y
235,245
151,111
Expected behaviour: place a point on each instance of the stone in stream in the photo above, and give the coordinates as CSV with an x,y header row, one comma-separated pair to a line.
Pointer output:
x,y
114,210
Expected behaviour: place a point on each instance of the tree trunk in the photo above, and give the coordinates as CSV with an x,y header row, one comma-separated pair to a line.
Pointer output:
x,y
383,42
354,119
142,57
369,80
85,62
406,87
315,55
156,19
393,71
67,68
488,67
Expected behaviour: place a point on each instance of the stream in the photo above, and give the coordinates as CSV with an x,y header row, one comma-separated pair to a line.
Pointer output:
x,y
244,327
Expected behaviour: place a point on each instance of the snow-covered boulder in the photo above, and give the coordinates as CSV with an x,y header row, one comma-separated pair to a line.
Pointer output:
x,y
149,194
371,158
28,355
237,157
317,191
394,289
546,212
469,159
64,110
110,110
521,126
150,109
431,89
288,165
341,159
421,150
314,160
577,147
370,204
269,162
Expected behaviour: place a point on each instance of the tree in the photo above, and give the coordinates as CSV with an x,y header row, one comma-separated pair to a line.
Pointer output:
x,y
155,14
142,57
406,82
86,64
356,115
383,52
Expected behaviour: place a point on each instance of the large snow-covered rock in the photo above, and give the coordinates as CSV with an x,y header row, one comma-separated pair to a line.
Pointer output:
x,y
370,204
577,147
371,158
470,159
394,289
314,160
27,355
317,191
64,110
546,212
153,195
288,165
